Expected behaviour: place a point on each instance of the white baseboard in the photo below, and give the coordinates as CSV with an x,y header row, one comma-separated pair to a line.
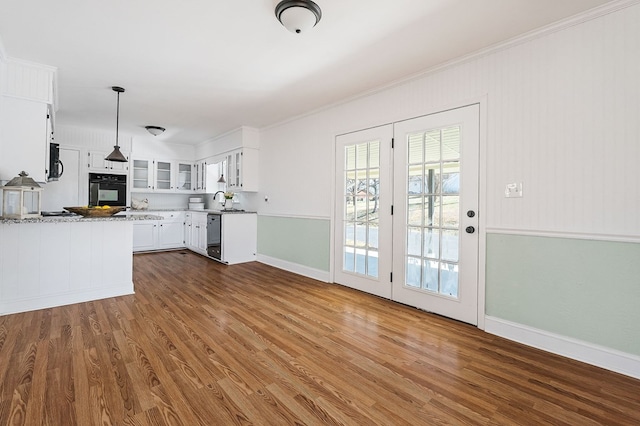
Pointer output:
x,y
296,268
52,301
600,356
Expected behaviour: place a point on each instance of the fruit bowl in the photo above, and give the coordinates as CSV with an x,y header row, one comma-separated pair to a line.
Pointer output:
x,y
97,211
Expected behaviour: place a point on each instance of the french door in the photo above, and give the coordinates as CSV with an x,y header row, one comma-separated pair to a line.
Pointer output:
x,y
363,210
430,243
435,236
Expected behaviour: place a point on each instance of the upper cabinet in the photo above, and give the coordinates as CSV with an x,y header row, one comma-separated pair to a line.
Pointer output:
x,y
26,97
97,163
200,175
161,176
242,170
23,138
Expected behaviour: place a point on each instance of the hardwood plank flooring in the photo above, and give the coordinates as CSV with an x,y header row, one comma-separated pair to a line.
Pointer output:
x,y
201,343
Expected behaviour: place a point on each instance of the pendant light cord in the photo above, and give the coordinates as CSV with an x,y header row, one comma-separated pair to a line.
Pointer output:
x,y
117,118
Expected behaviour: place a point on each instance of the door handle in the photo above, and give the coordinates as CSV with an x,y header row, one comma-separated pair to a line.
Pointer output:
x,y
470,229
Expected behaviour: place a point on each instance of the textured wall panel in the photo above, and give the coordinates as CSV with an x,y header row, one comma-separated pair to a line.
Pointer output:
x,y
562,118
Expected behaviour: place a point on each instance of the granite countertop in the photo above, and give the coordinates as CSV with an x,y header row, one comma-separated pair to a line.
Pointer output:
x,y
55,219
217,211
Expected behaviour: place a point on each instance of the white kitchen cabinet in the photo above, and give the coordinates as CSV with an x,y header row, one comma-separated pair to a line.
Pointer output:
x,y
145,235
161,176
97,163
239,237
195,228
200,176
184,176
199,232
141,175
23,138
171,231
164,234
187,230
242,170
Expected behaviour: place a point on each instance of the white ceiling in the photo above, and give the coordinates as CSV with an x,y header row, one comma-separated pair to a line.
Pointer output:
x,y
203,67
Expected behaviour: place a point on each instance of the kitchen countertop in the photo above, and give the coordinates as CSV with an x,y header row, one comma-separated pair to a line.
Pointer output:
x,y
217,211
53,219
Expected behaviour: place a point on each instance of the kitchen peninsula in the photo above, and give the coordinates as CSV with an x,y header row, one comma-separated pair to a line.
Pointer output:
x,y
47,262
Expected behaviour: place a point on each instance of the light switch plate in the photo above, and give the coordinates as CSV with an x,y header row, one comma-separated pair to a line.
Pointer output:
x,y
513,190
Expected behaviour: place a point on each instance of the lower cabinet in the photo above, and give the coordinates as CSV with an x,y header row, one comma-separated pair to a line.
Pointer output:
x,y
195,231
164,234
238,234
239,237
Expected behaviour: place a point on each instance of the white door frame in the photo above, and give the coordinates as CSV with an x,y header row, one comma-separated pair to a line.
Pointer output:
x,y
482,185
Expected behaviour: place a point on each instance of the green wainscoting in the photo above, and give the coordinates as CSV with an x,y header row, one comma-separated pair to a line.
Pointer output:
x,y
583,289
297,240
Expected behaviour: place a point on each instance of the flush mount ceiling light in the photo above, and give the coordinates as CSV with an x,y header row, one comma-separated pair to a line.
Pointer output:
x,y
116,155
298,16
155,130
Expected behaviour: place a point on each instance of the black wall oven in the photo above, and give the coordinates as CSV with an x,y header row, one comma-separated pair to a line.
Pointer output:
x,y
107,189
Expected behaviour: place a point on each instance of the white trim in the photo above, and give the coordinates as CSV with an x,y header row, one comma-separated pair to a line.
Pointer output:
x,y
296,268
600,356
569,22
293,216
67,298
483,125
571,235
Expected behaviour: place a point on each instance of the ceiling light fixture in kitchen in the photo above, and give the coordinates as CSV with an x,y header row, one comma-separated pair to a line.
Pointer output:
x,y
221,180
298,16
116,155
155,130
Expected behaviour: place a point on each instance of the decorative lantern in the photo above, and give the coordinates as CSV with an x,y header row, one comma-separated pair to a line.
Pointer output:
x,y
21,198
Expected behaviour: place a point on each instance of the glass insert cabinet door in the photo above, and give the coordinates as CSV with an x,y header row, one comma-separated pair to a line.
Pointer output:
x,y
363,202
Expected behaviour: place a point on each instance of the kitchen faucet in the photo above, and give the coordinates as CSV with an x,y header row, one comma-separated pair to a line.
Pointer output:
x,y
214,195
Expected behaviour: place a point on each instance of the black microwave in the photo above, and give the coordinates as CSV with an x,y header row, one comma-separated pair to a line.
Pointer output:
x,y
56,168
107,189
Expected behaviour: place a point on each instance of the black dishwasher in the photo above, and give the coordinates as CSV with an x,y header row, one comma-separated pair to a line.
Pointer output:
x,y
214,235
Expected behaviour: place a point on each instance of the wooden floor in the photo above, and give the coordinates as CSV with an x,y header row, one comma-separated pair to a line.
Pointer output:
x,y
206,344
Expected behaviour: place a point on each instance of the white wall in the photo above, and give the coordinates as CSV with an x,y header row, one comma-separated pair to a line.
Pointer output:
x,y
150,147
562,118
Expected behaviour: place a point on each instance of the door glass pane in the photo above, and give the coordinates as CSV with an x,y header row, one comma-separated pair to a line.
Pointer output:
x,y
433,220
430,275
372,263
415,179
432,148
449,279
361,261
414,241
432,243
373,235
414,217
414,273
362,187
450,243
451,143
361,234
416,149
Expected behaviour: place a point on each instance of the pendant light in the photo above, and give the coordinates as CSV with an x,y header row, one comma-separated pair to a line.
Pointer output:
x,y
116,155
298,16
